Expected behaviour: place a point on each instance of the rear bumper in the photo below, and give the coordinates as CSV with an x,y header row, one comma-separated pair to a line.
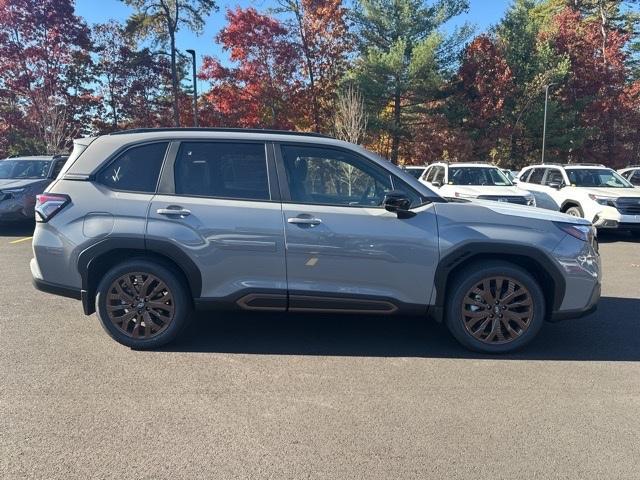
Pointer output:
x,y
591,307
56,289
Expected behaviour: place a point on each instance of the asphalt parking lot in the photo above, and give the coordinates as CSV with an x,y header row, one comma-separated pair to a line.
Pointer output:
x,y
245,396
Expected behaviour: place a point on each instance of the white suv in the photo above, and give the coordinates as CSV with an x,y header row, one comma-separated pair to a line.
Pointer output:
x,y
590,191
632,174
474,180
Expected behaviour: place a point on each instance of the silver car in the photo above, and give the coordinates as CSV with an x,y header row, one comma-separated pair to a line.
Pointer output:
x,y
143,226
21,179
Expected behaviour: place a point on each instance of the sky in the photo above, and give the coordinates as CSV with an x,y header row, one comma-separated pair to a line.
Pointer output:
x,y
482,14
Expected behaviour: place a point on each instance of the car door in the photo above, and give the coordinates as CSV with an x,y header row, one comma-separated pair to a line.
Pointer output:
x,y
344,250
218,203
550,191
532,182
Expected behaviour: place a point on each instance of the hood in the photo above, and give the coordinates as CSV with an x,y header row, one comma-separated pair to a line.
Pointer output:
x,y
477,190
612,192
9,183
530,212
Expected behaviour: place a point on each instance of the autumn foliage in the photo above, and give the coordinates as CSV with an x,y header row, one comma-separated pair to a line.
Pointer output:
x,y
424,92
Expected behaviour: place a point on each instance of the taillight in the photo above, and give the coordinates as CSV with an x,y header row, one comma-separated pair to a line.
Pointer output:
x,y
48,204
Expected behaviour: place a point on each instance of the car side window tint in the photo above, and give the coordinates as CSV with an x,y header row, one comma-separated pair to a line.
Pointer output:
x,y
536,176
135,170
57,168
553,176
334,177
635,178
439,175
427,172
524,176
222,170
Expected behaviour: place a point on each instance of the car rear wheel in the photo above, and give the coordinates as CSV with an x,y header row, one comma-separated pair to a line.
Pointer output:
x,y
574,212
142,305
495,307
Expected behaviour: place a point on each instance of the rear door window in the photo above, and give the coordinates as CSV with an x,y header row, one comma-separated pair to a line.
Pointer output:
x,y
222,170
135,170
553,176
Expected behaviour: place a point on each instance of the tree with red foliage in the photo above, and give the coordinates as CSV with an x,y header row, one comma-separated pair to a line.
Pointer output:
x,y
44,52
263,88
597,87
485,84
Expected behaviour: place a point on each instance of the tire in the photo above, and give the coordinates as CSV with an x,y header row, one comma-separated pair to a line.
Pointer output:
x,y
167,307
574,212
524,321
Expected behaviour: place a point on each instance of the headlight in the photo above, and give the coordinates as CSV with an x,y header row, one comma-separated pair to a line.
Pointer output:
x,y
11,192
607,201
586,233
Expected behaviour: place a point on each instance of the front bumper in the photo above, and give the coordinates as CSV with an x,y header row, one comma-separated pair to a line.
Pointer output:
x,y
610,218
17,209
591,307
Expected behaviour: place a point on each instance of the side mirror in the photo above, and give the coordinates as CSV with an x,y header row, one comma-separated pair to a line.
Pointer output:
x,y
437,183
556,185
399,203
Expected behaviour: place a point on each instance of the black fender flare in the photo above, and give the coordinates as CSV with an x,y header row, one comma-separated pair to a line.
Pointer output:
x,y
566,203
164,248
465,251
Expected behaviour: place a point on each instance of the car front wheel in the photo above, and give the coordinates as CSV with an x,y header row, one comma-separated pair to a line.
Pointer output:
x,y
142,304
575,212
495,307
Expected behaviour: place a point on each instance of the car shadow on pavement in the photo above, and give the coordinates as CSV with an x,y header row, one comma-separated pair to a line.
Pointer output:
x,y
17,229
610,334
613,237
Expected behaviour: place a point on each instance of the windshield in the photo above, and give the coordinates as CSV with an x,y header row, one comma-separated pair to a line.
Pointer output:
x,y
478,176
596,177
415,172
24,169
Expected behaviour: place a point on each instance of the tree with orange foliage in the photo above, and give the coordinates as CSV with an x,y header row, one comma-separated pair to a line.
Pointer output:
x,y
263,88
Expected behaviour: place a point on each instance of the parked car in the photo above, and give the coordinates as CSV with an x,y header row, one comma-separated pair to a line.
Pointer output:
x,y
414,170
632,174
511,174
144,225
589,191
474,180
21,179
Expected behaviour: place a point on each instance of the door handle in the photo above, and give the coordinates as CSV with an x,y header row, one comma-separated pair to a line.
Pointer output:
x,y
304,221
174,210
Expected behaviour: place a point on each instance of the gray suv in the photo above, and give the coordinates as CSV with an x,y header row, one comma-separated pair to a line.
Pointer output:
x,y
145,225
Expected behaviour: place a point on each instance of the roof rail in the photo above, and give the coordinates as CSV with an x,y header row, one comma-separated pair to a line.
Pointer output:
x,y
221,129
584,164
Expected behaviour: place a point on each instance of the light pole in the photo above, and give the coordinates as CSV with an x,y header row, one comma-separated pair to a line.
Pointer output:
x,y
195,88
544,124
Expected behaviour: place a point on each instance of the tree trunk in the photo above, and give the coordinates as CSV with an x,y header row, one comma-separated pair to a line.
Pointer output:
x,y
395,143
307,55
174,81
